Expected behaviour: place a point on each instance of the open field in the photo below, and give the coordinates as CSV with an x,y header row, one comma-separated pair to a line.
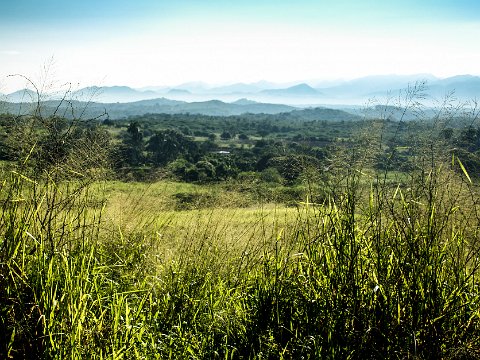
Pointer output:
x,y
122,272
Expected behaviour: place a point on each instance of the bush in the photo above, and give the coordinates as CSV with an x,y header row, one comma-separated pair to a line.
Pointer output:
x,y
271,175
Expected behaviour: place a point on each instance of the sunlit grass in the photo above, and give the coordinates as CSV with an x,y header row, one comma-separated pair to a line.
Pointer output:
x,y
134,270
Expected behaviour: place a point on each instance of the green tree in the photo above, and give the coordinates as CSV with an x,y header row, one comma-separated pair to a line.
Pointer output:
x,y
167,145
131,150
205,170
226,135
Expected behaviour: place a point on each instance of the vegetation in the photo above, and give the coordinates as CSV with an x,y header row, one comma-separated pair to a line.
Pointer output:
x,y
379,257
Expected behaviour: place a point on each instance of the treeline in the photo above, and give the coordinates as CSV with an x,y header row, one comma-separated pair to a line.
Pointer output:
x,y
219,155
200,148
191,148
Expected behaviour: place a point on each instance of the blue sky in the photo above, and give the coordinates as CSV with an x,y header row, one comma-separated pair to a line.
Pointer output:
x,y
140,43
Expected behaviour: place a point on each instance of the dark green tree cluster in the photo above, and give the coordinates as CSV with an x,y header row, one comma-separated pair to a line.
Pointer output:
x,y
206,158
167,145
53,144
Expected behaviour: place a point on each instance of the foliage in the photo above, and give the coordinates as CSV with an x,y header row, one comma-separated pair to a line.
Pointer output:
x,y
168,145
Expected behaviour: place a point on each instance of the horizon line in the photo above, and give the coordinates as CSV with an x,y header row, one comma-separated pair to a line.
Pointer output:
x,y
211,85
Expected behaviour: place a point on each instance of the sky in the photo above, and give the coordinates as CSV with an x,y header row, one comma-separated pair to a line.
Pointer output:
x,y
165,43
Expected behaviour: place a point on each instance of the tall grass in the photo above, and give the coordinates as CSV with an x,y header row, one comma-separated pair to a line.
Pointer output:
x,y
393,277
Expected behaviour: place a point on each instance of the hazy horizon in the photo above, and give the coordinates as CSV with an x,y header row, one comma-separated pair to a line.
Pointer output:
x,y
316,83
159,43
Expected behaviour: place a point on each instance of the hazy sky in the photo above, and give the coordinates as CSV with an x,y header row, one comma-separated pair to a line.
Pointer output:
x,y
146,42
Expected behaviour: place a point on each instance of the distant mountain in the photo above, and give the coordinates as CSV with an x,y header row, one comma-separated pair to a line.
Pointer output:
x,y
373,85
156,89
297,90
220,108
178,92
107,94
194,86
160,105
322,84
157,102
239,88
339,92
244,101
464,87
23,95
322,113
263,84
459,79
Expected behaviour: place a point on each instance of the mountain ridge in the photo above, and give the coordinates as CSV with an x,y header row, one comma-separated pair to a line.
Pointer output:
x,y
159,105
355,91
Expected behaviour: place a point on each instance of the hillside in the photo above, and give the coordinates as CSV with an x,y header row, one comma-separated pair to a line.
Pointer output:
x,y
160,105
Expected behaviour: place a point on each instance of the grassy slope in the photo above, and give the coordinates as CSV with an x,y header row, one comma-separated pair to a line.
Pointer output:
x,y
394,276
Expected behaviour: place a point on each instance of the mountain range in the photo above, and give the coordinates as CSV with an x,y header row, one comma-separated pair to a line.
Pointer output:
x,y
118,110
239,98
356,91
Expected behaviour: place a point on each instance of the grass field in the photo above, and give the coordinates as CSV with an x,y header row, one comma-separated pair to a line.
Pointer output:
x,y
170,270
